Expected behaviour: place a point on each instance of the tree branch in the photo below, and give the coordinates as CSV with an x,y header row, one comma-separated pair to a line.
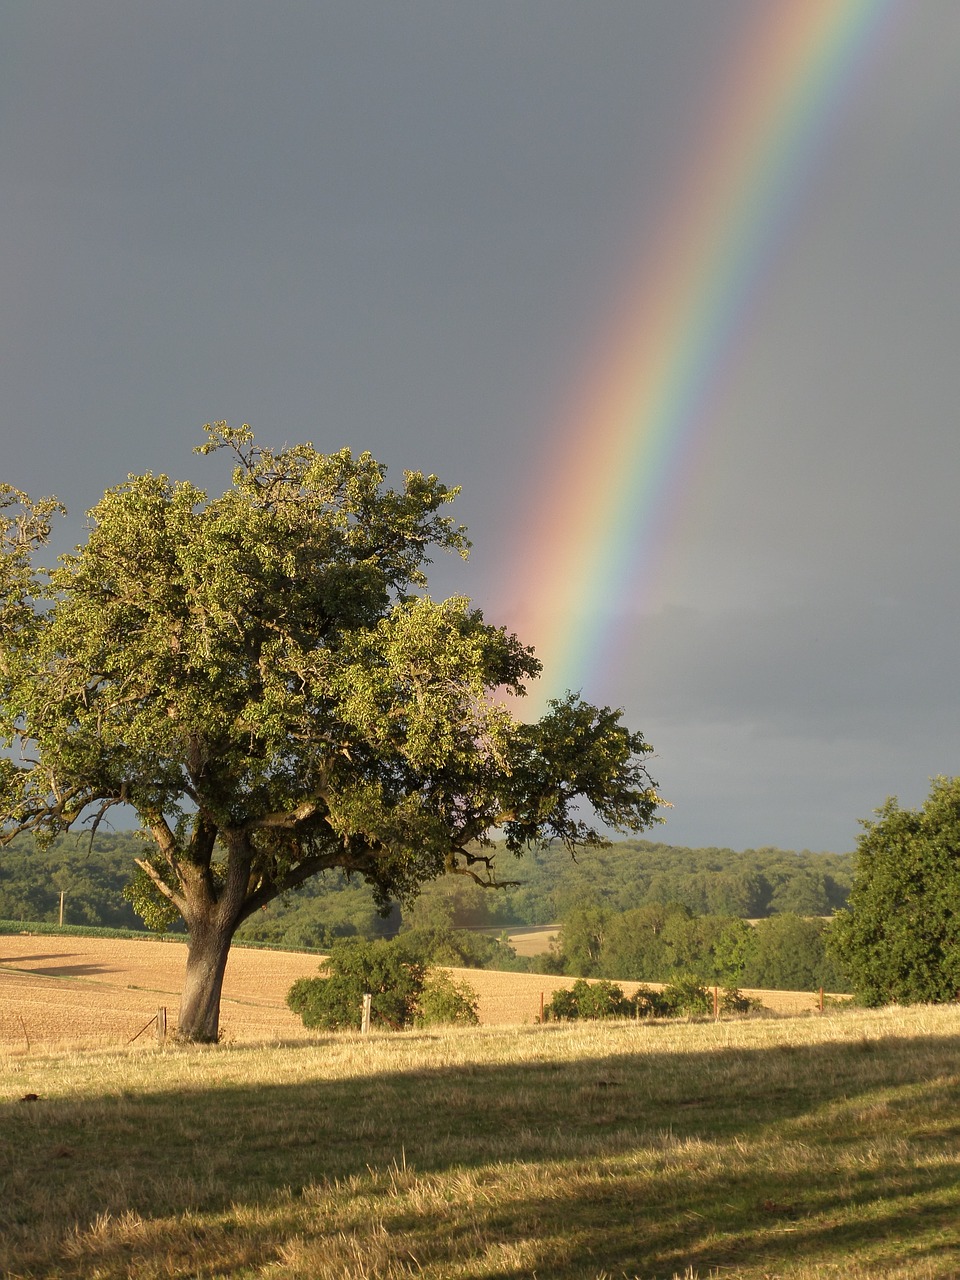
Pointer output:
x,y
161,885
293,879
285,820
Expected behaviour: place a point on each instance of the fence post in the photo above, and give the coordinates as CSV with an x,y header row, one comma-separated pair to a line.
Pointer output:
x,y
716,1003
161,1025
821,999
365,1014
541,1008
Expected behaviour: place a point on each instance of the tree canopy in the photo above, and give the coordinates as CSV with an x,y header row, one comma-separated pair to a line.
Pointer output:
x,y
900,938
262,677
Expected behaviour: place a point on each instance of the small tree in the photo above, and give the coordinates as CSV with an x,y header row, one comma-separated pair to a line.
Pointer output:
x,y
261,677
732,1000
686,996
899,940
445,1000
600,999
353,969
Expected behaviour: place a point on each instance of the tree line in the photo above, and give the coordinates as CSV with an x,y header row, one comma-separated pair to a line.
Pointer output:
x,y
621,877
95,877
653,943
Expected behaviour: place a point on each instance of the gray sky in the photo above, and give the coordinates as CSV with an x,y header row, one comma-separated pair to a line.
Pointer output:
x,y
401,225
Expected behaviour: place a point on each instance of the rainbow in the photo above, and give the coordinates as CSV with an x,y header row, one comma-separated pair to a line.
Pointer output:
x,y
618,460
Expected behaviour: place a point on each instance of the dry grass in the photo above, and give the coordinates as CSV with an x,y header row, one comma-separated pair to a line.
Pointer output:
x,y
803,1148
99,992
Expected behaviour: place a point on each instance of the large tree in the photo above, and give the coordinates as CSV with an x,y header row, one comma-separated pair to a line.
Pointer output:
x,y
263,679
899,940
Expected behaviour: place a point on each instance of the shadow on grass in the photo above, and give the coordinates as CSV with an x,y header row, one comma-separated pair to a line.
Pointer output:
x,y
61,970
633,1163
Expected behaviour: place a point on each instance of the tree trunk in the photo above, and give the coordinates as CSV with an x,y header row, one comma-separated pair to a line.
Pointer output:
x,y
199,1020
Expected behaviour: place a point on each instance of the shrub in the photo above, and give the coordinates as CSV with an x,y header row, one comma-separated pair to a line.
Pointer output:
x,y
687,996
602,999
444,1000
590,1000
563,1007
650,1004
734,1001
354,967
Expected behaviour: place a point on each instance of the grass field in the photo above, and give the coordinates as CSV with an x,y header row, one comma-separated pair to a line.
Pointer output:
x,y
99,992
803,1148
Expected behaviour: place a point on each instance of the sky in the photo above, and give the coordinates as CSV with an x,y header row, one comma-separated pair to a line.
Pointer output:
x,y
408,226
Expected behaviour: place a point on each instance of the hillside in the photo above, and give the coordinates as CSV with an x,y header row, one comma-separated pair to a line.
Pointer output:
x,y
752,884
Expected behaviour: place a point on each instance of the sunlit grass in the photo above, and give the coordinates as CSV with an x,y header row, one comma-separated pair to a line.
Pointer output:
x,y
808,1148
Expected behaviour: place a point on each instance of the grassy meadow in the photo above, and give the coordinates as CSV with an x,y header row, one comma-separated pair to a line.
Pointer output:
x,y
805,1147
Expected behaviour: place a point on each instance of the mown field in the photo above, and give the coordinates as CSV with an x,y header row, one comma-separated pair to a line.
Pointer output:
x,y
99,992
801,1148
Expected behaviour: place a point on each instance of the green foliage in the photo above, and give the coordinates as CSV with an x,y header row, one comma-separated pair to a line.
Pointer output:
x,y
602,999
395,974
452,901
45,929
582,940
733,1001
318,912
782,952
659,943
791,953
686,996
443,1000
900,939
636,873
589,1000
91,874
156,911
460,949
353,969
262,677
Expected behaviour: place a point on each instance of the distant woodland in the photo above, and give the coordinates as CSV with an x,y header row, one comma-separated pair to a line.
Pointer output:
x,y
637,909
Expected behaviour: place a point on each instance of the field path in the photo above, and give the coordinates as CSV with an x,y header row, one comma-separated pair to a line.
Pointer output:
x,y
100,992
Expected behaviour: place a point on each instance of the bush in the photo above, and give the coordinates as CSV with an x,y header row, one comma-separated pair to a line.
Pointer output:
x,y
590,1000
686,996
354,968
563,1007
734,1001
650,1004
443,1000
602,999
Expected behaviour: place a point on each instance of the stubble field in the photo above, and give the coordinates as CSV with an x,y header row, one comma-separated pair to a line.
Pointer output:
x,y
802,1148
100,992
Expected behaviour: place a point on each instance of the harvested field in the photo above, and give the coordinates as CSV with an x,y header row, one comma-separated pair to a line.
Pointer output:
x,y
100,992
534,940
